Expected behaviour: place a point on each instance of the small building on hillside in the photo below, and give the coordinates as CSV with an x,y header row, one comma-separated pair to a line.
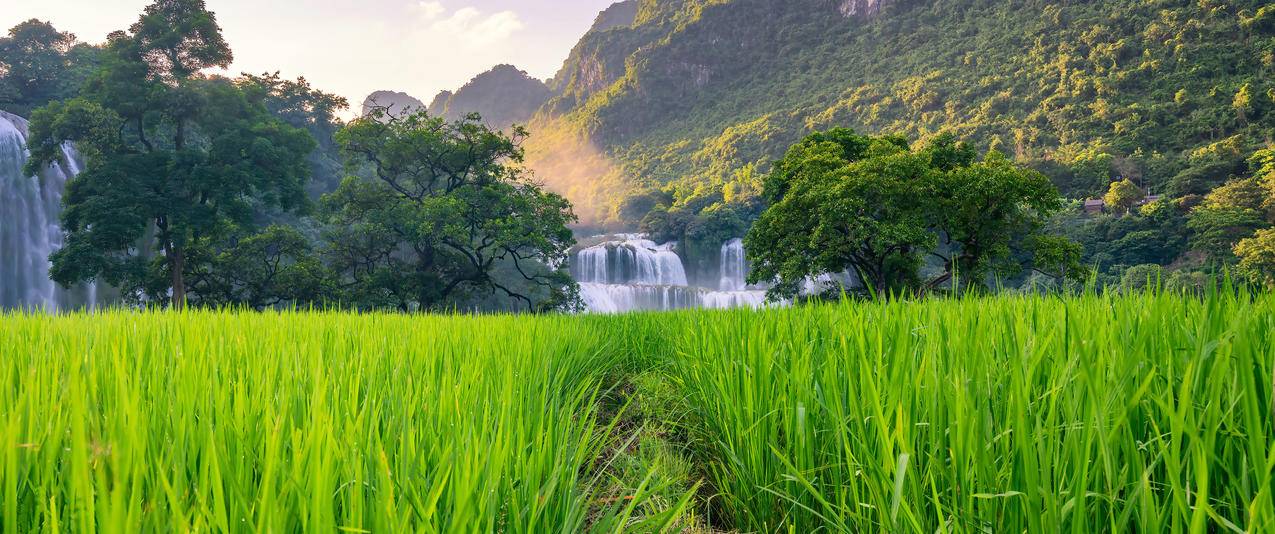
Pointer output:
x,y
1097,206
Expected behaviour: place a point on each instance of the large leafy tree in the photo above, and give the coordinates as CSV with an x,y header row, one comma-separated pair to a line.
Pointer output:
x,y
1263,165
982,208
842,201
175,157
870,205
1244,193
446,212
1122,196
39,64
1058,257
299,104
277,266
1223,226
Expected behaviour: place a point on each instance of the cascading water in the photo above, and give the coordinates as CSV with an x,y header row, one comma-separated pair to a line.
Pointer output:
x,y
734,266
29,224
632,273
632,260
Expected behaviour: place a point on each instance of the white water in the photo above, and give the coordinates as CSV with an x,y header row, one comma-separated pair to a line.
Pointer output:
x,y
630,260
632,273
29,224
734,266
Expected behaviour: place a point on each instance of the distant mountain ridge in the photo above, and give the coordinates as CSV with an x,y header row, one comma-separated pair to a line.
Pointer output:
x,y
503,96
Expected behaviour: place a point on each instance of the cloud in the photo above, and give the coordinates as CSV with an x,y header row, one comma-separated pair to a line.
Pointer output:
x,y
431,10
468,24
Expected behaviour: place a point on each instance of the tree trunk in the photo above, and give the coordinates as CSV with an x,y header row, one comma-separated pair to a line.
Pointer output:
x,y
934,284
176,267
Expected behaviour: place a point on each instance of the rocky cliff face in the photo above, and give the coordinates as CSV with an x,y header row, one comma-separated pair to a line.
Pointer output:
x,y
602,56
620,14
630,82
396,103
672,52
598,59
439,105
861,8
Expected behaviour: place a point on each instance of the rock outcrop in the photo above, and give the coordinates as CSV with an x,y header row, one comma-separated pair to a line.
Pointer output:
x,y
861,8
504,96
396,103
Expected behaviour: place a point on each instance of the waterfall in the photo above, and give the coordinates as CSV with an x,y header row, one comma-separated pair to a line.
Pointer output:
x,y
29,224
733,266
631,260
629,272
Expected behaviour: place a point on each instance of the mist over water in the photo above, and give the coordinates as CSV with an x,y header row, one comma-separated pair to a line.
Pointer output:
x,y
569,163
30,207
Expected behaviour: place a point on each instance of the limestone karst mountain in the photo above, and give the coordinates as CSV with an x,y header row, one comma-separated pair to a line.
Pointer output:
x,y
397,103
503,96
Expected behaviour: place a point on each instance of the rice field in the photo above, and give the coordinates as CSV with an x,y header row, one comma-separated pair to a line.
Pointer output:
x,y
1095,413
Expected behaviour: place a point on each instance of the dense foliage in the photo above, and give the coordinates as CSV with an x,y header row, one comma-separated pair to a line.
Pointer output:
x,y
39,64
447,206
300,105
669,114
1122,413
843,202
1182,236
175,159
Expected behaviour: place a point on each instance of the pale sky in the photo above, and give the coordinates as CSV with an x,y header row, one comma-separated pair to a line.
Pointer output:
x,y
352,47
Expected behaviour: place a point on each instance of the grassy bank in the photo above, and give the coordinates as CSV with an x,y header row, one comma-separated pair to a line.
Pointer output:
x,y
1140,413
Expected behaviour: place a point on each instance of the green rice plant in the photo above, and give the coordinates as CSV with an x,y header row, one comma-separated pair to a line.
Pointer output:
x,y
1124,413
1117,413
320,422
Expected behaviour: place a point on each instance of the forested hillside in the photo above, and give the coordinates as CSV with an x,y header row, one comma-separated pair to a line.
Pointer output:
x,y
679,106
